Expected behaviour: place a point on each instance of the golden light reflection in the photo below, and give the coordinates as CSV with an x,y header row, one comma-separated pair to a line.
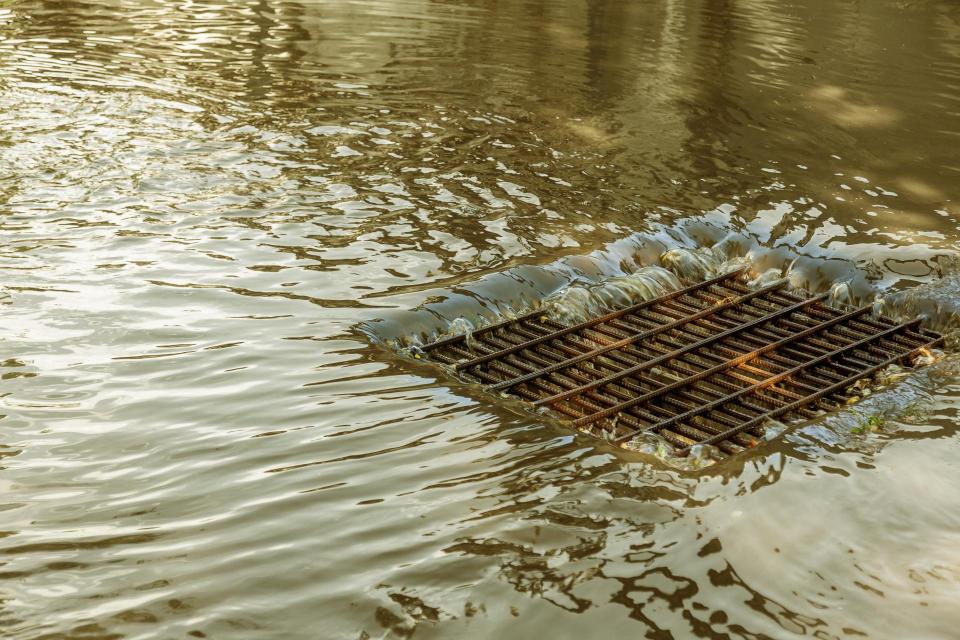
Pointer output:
x,y
836,104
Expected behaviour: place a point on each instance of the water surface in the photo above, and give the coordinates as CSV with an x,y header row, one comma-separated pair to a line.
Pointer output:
x,y
205,204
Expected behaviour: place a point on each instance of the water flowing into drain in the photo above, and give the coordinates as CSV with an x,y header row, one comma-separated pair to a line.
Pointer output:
x,y
717,365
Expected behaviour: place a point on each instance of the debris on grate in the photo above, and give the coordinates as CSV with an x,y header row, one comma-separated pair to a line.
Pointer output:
x,y
714,363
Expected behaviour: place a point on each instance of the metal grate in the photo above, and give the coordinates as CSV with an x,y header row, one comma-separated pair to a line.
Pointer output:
x,y
711,363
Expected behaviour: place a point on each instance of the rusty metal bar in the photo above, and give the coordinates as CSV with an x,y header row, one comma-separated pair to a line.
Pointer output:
x,y
813,397
631,339
729,364
776,378
594,321
679,352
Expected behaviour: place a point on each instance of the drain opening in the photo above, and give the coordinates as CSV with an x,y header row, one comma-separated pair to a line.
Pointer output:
x,y
711,363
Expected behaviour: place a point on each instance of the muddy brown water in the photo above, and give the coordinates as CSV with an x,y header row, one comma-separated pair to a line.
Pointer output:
x,y
212,211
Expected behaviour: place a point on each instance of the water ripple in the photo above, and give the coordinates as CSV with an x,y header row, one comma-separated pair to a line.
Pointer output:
x,y
209,208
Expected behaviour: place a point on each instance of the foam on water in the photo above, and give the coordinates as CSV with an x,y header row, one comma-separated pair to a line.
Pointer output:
x,y
938,301
652,445
578,303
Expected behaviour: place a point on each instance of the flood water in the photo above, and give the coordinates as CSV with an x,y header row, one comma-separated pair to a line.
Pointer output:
x,y
217,215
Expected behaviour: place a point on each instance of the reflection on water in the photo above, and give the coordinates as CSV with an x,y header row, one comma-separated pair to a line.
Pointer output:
x,y
203,201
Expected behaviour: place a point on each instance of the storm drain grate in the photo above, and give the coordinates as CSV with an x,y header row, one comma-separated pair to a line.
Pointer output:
x,y
708,364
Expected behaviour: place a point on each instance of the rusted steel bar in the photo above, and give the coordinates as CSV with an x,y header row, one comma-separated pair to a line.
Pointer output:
x,y
629,340
594,321
678,352
813,397
721,367
776,378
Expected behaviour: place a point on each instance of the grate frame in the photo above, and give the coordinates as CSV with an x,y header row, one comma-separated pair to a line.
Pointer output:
x,y
710,363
